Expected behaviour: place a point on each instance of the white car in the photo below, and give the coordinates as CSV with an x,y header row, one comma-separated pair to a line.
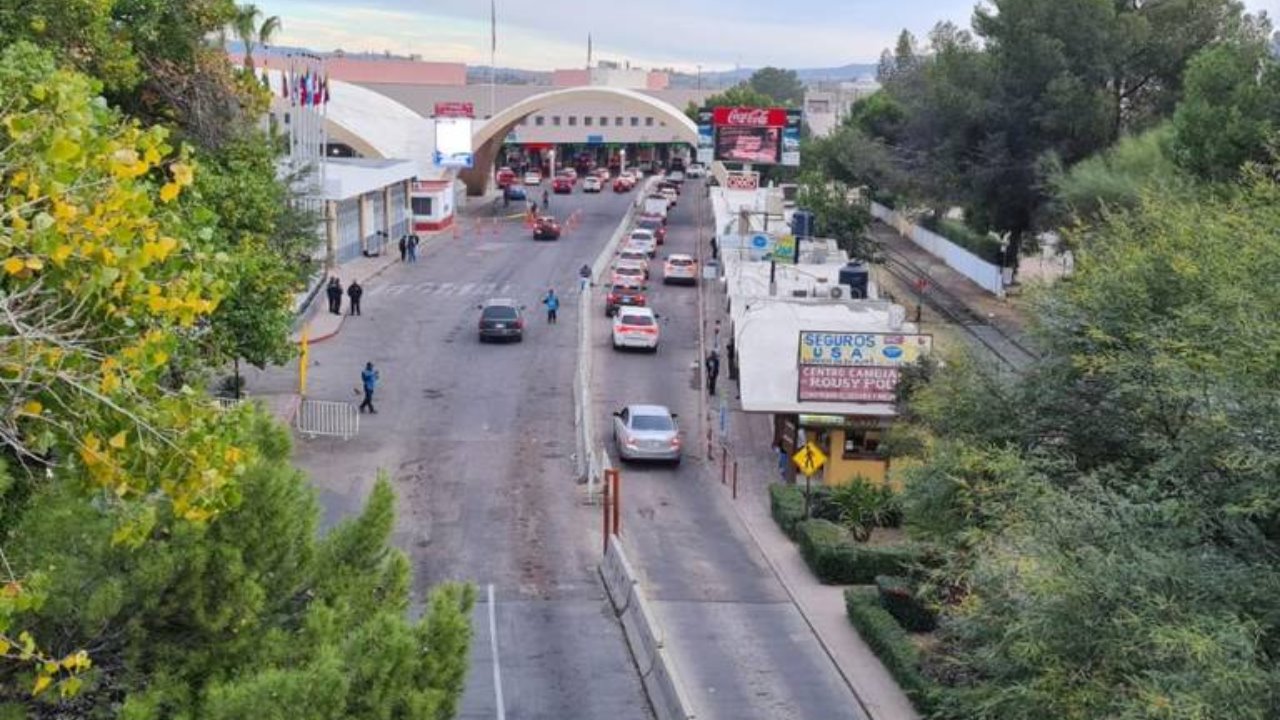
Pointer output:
x,y
591,184
695,170
635,327
634,255
629,275
680,269
671,195
646,432
533,178
644,239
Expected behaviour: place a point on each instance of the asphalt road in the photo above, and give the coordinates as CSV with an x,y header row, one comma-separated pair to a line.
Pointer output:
x,y
742,648
477,440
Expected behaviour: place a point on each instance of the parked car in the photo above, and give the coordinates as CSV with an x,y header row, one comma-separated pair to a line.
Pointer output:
x,y
645,239
655,225
696,170
635,327
501,319
562,185
646,432
505,177
546,228
624,295
533,177
622,184
680,269
591,184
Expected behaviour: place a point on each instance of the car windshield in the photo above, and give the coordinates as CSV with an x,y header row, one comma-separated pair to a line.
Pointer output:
x,y
681,261
633,255
499,312
629,271
624,290
652,422
638,320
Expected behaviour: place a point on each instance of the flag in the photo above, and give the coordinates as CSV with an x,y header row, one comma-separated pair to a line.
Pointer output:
x,y
284,84
305,91
493,26
326,89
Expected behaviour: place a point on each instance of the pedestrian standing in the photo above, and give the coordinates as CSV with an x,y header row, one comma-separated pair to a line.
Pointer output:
x,y
413,248
713,371
584,278
715,248
354,291
404,247
715,342
369,381
553,304
546,202
335,295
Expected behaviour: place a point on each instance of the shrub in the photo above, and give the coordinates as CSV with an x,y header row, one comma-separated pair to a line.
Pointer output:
x,y
862,507
786,503
836,559
898,596
890,643
981,244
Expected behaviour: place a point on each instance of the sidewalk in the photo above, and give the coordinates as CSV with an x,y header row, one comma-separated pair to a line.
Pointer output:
x,y
323,324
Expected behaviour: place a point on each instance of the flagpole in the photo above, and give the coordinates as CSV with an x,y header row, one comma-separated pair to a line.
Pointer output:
x,y
493,61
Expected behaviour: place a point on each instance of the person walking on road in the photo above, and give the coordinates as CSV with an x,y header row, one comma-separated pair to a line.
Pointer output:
x,y
713,371
354,291
404,247
369,381
334,291
413,248
553,304
584,278
546,202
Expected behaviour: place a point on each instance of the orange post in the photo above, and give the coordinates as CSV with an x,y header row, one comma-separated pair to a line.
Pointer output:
x,y
617,502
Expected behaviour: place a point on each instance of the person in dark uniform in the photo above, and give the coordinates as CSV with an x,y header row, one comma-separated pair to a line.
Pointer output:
x,y
354,291
404,247
713,371
334,292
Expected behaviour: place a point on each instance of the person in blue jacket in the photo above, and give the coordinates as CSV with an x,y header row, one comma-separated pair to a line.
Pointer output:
x,y
369,380
553,304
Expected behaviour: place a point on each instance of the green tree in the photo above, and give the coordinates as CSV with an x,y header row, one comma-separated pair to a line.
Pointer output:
x,y
250,32
740,95
252,616
1116,178
783,87
1231,112
835,214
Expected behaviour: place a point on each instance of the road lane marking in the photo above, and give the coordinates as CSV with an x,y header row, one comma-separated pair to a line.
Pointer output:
x,y
493,649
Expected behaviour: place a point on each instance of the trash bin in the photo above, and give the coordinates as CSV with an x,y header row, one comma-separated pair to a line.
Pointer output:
x,y
711,270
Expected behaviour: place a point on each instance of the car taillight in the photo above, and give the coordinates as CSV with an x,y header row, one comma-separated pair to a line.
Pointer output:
x,y
640,299
520,324
675,442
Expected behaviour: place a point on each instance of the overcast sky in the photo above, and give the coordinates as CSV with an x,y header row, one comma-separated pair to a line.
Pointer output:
x,y
549,34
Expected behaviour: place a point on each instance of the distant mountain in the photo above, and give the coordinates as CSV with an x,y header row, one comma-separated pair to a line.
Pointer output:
x,y
479,75
852,71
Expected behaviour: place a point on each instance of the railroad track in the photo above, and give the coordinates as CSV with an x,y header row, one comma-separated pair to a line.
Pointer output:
x,y
1003,346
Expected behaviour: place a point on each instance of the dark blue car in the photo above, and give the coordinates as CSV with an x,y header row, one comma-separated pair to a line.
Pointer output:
x,y
515,192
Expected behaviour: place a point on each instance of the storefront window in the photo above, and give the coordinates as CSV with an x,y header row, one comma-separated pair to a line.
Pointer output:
x,y
861,442
421,206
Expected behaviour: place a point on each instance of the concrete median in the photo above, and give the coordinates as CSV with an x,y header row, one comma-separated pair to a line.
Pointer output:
x,y
644,636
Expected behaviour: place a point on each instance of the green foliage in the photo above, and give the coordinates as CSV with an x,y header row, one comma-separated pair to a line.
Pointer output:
x,y
1124,485
837,559
782,87
786,503
890,643
251,615
1117,177
863,506
898,595
836,216
979,243
1231,112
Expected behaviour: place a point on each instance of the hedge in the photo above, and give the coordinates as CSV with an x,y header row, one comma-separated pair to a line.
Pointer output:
x,y
980,244
786,502
898,596
891,644
837,559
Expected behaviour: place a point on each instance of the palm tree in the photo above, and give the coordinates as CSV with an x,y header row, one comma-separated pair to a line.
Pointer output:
x,y
267,31
245,27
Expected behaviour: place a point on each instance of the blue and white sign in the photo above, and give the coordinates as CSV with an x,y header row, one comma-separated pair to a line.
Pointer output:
x,y
760,241
453,143
595,139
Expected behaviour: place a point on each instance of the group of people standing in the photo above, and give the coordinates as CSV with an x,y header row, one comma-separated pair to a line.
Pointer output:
x,y
334,292
409,248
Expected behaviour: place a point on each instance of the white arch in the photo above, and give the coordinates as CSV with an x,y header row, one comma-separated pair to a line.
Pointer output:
x,y
498,126
486,138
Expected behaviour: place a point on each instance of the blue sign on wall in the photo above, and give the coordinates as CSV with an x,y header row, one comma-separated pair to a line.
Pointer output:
x,y
595,139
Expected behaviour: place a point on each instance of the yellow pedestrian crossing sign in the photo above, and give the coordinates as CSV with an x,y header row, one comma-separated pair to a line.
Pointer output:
x,y
809,459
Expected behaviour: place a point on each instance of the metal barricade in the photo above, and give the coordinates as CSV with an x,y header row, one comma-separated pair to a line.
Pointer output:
x,y
327,418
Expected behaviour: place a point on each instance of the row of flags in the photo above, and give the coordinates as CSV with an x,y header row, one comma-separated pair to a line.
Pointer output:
x,y
305,89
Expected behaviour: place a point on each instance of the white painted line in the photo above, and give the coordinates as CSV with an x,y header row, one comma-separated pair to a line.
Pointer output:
x,y
493,648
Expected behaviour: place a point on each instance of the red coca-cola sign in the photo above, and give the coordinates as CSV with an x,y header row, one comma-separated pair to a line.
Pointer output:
x,y
749,116
455,109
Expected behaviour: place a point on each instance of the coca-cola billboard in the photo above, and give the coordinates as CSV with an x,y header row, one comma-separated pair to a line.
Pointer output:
x,y
749,117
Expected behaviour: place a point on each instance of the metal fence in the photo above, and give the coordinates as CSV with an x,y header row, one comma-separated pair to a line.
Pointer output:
x,y
327,418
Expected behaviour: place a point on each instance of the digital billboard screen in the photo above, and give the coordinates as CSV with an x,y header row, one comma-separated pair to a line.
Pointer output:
x,y
748,144
453,142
